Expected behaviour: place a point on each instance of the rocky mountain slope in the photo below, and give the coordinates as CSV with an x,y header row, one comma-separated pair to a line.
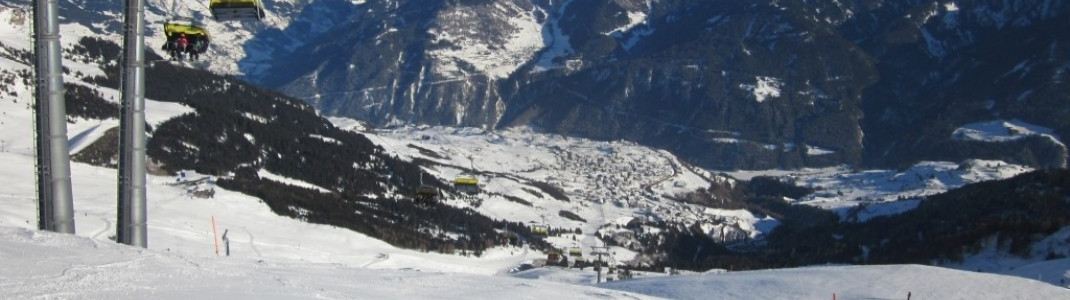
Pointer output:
x,y
724,84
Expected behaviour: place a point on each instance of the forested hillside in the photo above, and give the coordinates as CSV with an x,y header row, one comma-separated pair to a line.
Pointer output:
x,y
1011,215
239,130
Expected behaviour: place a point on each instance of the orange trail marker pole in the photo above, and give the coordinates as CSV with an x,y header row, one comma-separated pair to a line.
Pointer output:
x,y
215,237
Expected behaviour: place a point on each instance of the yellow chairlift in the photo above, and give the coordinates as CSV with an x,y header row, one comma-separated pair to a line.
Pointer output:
x,y
575,252
467,182
177,26
426,191
425,194
196,36
236,10
540,230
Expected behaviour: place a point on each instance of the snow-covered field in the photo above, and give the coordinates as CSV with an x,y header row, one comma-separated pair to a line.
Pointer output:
x,y
606,183
47,265
37,264
845,282
860,195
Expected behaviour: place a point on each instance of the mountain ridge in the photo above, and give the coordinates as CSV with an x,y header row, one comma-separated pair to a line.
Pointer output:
x,y
726,85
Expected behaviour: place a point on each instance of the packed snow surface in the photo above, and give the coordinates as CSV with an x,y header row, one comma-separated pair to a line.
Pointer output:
x,y
47,265
36,264
846,282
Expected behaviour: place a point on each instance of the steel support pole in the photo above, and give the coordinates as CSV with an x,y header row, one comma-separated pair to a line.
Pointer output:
x,y
54,196
133,226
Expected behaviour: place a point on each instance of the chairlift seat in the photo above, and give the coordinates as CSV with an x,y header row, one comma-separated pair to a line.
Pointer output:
x,y
465,180
540,230
236,10
172,30
175,28
427,191
466,183
575,251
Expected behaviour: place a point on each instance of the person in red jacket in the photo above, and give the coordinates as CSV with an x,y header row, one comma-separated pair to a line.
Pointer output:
x,y
182,44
